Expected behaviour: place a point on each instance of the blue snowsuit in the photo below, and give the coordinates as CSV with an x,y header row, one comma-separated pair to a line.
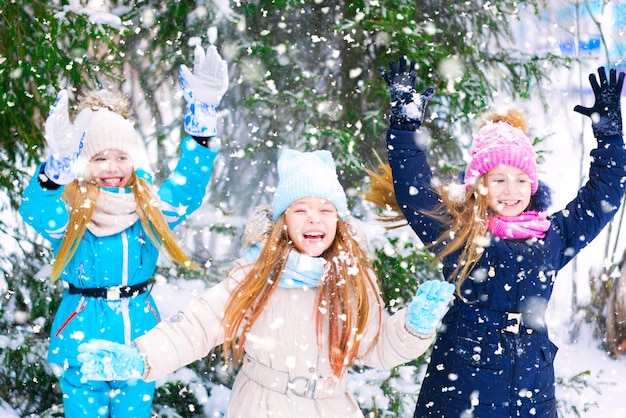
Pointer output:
x,y
124,259
492,357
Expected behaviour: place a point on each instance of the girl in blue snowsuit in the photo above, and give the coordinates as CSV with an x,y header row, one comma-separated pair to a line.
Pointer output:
x,y
493,356
107,226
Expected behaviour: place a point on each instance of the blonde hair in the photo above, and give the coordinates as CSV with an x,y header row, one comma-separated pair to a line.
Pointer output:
x,y
513,117
383,195
469,223
467,219
344,295
80,197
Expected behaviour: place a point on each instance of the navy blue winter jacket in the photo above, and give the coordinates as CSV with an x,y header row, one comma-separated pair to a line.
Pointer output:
x,y
493,356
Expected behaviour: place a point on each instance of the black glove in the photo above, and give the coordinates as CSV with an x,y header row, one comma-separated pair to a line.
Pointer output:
x,y
407,105
606,114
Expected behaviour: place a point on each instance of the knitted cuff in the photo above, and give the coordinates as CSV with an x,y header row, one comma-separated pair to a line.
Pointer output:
x,y
44,181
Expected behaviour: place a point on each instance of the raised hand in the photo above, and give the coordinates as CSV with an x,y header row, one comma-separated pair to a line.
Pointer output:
x,y
64,140
428,306
407,105
606,114
107,360
203,90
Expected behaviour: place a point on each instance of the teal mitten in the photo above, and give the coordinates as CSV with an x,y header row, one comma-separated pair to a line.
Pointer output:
x,y
428,306
108,360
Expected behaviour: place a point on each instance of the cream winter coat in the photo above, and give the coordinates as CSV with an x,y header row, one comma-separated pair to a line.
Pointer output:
x,y
284,373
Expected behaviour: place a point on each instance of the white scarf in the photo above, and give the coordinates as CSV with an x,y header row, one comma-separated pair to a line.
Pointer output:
x,y
116,210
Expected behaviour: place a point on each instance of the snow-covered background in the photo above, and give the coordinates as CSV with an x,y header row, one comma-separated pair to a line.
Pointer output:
x,y
591,383
599,390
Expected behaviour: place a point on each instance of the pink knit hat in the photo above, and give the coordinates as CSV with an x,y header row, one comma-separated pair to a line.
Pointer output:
x,y
499,143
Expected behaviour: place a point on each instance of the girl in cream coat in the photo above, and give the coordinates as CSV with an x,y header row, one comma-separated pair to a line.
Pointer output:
x,y
298,335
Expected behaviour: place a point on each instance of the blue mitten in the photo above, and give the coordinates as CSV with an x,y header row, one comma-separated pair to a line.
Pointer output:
x,y
64,140
428,306
407,105
107,360
203,90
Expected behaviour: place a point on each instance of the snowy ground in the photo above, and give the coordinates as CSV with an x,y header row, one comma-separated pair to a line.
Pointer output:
x,y
600,393
604,393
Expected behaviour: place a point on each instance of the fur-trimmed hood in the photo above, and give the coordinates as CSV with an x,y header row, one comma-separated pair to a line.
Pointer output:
x,y
258,226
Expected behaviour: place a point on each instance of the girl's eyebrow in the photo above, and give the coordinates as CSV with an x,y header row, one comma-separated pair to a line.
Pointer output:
x,y
301,205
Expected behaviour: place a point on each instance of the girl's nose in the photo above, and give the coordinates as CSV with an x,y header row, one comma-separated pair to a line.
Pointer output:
x,y
313,218
111,166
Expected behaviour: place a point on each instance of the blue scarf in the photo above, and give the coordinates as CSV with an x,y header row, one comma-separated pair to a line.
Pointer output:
x,y
301,270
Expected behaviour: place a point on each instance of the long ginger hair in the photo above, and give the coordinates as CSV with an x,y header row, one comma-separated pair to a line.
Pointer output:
x,y
467,216
343,296
80,197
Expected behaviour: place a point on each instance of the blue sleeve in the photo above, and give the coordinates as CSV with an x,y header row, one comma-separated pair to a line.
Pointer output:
x,y
183,192
44,210
596,202
412,184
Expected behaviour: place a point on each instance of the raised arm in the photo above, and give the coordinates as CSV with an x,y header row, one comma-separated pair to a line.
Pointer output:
x,y
41,205
203,89
406,149
599,199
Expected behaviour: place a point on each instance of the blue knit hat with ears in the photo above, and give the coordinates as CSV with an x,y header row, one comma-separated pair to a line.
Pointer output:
x,y
306,174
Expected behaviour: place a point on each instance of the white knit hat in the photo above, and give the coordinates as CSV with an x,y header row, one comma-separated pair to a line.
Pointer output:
x,y
109,128
305,174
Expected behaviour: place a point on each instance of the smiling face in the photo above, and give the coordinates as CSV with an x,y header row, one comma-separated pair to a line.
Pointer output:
x,y
509,190
111,168
311,225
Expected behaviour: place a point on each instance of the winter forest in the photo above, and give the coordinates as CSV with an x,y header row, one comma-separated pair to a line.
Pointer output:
x,y
304,75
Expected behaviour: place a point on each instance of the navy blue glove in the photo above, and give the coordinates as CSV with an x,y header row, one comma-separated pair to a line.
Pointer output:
x,y
107,360
606,113
428,306
407,105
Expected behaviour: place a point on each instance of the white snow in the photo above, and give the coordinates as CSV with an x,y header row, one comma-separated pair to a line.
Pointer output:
x,y
592,384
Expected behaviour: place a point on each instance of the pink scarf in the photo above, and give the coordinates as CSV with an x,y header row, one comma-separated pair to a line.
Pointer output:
x,y
531,224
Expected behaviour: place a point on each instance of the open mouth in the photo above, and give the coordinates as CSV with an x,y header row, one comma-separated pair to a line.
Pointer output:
x,y
314,236
112,181
506,203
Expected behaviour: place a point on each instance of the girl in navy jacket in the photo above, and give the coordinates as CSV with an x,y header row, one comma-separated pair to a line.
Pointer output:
x,y
492,356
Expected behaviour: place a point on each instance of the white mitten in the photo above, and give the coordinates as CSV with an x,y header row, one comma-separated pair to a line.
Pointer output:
x,y
203,90
64,140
